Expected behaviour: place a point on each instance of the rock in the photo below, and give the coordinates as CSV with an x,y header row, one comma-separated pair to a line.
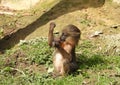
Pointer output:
x,y
96,33
116,1
19,4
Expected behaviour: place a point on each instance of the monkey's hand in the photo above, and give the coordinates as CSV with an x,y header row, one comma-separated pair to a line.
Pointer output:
x,y
57,43
52,26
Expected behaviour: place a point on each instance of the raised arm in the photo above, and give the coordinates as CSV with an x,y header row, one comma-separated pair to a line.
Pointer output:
x,y
50,34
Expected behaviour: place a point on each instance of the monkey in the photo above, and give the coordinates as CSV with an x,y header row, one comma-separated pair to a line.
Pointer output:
x,y
64,57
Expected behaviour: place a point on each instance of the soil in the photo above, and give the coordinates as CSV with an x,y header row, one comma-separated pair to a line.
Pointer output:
x,y
18,60
90,16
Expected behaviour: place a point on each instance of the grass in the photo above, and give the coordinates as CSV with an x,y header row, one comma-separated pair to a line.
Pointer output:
x,y
27,64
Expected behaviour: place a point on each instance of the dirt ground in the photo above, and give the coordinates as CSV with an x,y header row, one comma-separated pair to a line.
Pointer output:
x,y
98,20
95,19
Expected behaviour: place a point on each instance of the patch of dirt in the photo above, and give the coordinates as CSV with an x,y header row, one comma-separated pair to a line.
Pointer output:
x,y
90,16
19,63
30,24
24,23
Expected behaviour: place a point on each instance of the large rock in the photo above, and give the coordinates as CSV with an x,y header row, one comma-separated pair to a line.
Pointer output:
x,y
19,4
116,1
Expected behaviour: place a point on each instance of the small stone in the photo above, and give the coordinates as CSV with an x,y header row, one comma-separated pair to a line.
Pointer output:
x,y
50,70
97,33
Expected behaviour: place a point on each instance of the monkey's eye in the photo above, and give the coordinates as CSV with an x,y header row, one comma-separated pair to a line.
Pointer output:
x,y
64,34
63,37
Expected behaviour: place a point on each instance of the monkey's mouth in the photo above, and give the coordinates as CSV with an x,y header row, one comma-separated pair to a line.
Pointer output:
x,y
62,39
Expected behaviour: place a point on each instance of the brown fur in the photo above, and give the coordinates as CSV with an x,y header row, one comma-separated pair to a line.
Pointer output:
x,y
64,57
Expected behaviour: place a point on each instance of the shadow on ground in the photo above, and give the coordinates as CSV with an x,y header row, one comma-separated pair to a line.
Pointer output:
x,y
89,62
63,7
86,62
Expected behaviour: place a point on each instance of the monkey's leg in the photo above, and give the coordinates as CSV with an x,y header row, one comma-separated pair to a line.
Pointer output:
x,y
65,69
73,66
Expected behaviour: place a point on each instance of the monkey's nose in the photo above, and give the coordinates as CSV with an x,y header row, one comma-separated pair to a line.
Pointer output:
x,y
62,38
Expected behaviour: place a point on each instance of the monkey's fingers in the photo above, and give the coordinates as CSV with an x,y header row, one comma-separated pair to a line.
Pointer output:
x,y
52,25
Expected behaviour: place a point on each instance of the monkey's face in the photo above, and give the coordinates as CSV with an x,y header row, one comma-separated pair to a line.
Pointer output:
x,y
70,33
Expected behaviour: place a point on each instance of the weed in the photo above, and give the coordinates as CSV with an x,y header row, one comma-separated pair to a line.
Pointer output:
x,y
25,61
